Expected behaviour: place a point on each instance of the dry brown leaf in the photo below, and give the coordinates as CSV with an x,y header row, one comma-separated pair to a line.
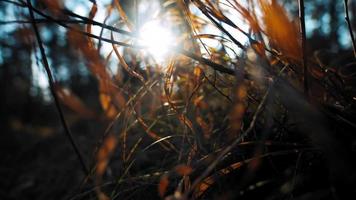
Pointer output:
x,y
106,97
248,16
238,110
163,185
283,34
107,105
101,195
259,48
104,154
197,73
204,126
183,170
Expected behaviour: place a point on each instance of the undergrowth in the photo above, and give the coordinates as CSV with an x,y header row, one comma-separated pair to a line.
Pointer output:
x,y
264,118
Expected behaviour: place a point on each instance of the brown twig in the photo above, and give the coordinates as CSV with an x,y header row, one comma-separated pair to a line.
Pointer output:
x,y
303,41
347,19
53,91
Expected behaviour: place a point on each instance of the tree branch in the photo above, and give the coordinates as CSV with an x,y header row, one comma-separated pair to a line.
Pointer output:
x,y
303,42
347,19
53,91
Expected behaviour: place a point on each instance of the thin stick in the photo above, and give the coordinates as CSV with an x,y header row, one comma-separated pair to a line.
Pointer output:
x,y
304,52
54,94
347,19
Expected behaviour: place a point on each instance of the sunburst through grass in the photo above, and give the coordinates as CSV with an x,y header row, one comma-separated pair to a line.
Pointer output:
x,y
158,39
189,99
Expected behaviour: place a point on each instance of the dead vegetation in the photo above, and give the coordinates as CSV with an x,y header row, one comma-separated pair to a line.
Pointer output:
x,y
258,117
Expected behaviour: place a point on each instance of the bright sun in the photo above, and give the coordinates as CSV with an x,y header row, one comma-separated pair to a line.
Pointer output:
x,y
158,39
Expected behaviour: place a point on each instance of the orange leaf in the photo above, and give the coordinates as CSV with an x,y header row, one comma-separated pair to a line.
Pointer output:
x,y
247,15
102,196
197,72
204,126
163,185
283,34
183,170
107,105
104,154
259,48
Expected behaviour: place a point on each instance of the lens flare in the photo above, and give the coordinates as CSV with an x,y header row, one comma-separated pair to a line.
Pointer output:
x,y
158,39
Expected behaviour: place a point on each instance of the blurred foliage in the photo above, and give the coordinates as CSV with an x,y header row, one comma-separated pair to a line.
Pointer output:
x,y
223,116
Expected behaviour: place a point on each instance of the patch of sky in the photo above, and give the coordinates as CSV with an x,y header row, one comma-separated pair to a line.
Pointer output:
x,y
83,70
40,85
61,36
62,73
344,37
325,24
310,25
46,35
1,57
5,53
80,7
236,18
10,14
